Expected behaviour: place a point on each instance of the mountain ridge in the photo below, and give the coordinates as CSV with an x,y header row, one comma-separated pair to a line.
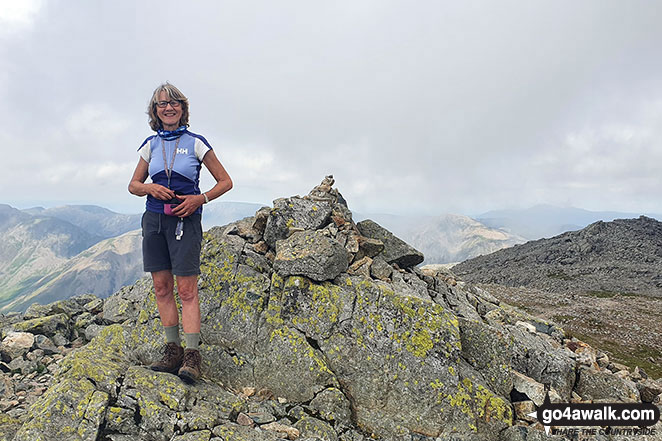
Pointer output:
x,y
624,255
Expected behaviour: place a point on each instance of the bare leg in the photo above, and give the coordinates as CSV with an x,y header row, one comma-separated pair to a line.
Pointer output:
x,y
165,299
187,287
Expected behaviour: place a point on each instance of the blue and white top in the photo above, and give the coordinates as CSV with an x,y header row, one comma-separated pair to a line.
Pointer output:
x,y
185,177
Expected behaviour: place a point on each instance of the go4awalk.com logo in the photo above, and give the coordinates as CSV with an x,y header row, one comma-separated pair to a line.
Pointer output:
x,y
639,417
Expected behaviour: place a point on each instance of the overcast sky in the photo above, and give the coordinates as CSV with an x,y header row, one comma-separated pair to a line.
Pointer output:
x,y
422,107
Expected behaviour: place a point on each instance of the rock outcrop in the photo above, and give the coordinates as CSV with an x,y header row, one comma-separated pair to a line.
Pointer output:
x,y
311,330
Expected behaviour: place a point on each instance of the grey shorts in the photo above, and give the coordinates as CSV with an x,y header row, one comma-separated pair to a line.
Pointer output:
x,y
161,250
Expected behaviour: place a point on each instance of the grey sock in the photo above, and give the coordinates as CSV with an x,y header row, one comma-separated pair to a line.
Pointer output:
x,y
172,334
192,340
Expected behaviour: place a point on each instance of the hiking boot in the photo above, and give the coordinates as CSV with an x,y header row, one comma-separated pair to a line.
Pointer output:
x,y
190,370
173,354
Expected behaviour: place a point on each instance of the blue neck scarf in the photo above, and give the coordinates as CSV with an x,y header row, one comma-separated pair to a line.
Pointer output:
x,y
169,135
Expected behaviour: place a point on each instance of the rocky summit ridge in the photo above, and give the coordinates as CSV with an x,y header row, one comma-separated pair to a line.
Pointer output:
x,y
313,328
621,256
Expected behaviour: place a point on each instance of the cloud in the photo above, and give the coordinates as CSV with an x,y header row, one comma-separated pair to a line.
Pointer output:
x,y
17,16
92,121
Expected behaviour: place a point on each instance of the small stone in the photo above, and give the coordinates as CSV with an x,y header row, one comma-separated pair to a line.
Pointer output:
x,y
261,247
262,417
265,394
248,391
523,409
649,389
282,400
244,420
60,340
92,331
45,344
603,361
35,355
291,432
94,307
361,267
369,247
380,269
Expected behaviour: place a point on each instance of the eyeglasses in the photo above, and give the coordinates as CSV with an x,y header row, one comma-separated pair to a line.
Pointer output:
x,y
164,104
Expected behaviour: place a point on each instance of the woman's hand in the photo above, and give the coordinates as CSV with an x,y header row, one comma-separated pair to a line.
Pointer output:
x,y
191,202
160,192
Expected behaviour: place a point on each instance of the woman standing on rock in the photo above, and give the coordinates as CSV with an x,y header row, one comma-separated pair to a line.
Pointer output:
x,y
171,224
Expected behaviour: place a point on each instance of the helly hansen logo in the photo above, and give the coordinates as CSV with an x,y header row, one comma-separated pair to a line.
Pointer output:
x,y
182,151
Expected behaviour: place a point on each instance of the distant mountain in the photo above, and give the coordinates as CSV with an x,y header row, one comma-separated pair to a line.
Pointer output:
x,y
10,216
101,270
622,256
97,221
547,220
35,246
447,238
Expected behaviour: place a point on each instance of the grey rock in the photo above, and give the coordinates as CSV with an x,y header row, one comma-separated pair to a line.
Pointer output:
x,y
74,402
121,420
49,325
200,435
599,385
649,389
313,428
235,432
395,249
529,387
310,254
295,213
332,406
380,269
540,357
126,303
60,340
69,307
244,229
94,306
92,331
489,350
369,247
45,344
84,320
23,366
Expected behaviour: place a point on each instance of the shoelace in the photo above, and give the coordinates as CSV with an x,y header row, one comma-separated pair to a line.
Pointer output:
x,y
191,357
170,352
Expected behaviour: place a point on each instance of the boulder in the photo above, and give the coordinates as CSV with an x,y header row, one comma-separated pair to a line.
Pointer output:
x,y
295,214
533,390
310,254
395,249
593,384
649,389
16,344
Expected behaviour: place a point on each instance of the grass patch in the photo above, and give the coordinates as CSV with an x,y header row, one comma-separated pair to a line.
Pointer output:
x,y
561,275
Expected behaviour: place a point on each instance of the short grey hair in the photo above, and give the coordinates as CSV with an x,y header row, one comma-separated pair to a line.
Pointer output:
x,y
172,93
